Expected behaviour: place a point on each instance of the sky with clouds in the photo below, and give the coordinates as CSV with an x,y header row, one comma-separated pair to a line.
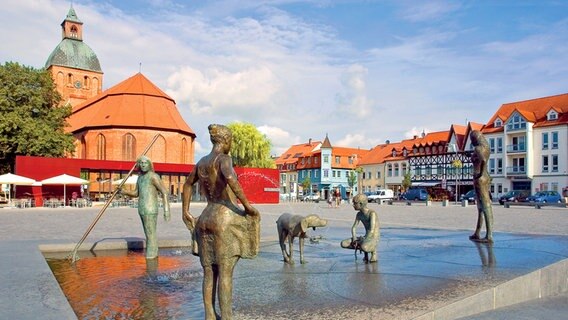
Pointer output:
x,y
360,71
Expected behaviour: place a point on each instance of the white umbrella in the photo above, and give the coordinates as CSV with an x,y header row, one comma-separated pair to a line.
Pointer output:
x,y
10,178
65,179
131,180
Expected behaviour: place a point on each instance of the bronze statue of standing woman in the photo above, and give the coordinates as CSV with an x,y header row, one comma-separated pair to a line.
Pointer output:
x,y
481,182
148,186
224,232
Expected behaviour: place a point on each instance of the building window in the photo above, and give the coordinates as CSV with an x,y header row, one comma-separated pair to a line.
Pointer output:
x,y
183,150
337,159
326,159
351,160
554,186
492,145
552,115
499,145
499,166
544,163
316,160
554,163
498,123
378,174
516,122
325,173
364,175
74,32
333,173
315,174
389,170
555,140
101,147
492,166
310,160
396,170
128,147
544,140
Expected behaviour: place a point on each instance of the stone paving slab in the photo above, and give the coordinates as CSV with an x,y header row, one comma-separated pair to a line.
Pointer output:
x,y
424,247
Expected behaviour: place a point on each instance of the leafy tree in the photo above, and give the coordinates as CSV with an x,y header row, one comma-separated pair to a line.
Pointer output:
x,y
352,179
306,184
406,180
250,148
31,122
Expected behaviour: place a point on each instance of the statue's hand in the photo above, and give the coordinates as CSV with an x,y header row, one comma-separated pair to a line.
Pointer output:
x,y
189,221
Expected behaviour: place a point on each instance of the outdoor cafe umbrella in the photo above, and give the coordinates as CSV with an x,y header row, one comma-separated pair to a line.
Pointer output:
x,y
10,178
64,179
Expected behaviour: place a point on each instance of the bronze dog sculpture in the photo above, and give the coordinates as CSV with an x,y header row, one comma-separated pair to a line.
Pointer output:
x,y
290,226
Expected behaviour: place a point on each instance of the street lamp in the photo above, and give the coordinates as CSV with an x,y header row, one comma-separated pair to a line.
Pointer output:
x,y
456,164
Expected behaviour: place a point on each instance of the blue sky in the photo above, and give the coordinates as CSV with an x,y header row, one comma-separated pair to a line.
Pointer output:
x,y
360,71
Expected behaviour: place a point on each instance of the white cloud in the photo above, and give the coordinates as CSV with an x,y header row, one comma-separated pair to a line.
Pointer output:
x,y
280,138
219,91
354,99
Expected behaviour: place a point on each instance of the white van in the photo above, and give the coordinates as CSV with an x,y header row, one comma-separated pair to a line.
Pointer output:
x,y
381,194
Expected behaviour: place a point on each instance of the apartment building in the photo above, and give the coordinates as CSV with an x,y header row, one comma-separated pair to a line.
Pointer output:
x,y
529,145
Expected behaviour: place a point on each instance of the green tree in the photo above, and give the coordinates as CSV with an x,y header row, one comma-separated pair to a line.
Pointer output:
x,y
306,185
31,120
250,148
352,179
406,180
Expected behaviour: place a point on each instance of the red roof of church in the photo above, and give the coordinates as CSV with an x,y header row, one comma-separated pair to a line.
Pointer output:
x,y
134,103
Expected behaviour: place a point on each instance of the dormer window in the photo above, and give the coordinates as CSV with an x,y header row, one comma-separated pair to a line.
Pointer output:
x,y
516,122
405,152
394,153
552,115
498,123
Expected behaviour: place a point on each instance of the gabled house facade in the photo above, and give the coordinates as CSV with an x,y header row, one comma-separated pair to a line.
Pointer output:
x,y
529,145
287,164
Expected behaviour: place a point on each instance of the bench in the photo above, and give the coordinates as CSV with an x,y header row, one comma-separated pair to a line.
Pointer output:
x,y
536,205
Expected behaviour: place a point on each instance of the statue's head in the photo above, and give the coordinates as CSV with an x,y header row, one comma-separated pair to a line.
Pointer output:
x,y
220,134
145,164
360,201
476,137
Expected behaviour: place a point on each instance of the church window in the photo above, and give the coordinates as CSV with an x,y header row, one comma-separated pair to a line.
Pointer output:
x,y
183,150
128,147
74,31
83,148
101,147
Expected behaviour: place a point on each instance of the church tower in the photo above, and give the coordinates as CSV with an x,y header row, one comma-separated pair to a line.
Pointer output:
x,y
73,65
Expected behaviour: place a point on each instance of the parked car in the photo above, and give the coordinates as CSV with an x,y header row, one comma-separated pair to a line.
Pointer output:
x,y
545,196
470,196
311,197
416,194
381,194
514,196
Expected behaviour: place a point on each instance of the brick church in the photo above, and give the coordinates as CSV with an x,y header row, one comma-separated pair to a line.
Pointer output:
x,y
113,127
118,123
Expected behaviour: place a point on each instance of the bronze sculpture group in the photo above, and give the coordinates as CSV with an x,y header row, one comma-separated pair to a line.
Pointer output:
x,y
225,232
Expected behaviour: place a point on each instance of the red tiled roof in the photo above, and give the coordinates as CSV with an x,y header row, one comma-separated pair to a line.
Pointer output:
x,y
296,151
135,102
344,154
534,110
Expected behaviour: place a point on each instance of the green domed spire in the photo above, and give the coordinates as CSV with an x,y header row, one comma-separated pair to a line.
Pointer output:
x,y
72,52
